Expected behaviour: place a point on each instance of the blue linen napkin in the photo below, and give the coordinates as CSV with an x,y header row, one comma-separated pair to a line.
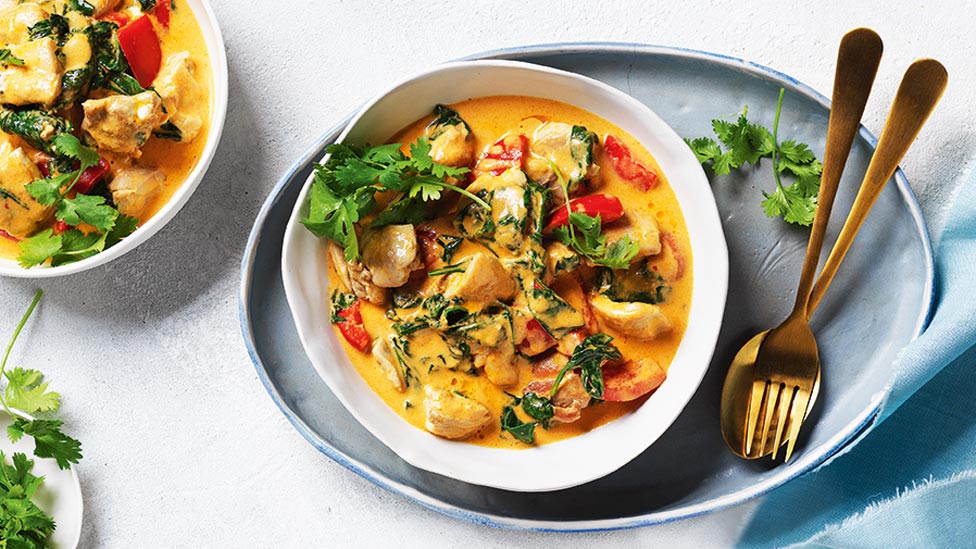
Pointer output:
x,y
911,482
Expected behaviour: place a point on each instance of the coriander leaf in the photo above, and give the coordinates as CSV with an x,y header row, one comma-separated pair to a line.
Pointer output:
x,y
619,254
76,245
26,391
48,191
427,191
124,226
38,248
344,188
808,186
49,441
705,148
791,204
743,150
90,209
22,523
762,140
68,145
523,432
584,235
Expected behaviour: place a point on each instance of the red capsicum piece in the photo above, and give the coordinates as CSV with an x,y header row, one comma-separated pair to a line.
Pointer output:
x,y
352,327
60,227
506,153
607,206
161,12
140,44
91,176
537,339
628,167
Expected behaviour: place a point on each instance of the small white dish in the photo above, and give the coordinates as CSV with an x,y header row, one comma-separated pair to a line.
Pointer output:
x,y
59,496
218,62
566,463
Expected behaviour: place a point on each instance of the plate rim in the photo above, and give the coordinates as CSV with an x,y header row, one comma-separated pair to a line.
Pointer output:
x,y
660,517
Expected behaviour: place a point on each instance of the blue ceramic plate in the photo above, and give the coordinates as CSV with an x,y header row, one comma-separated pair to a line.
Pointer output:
x,y
688,471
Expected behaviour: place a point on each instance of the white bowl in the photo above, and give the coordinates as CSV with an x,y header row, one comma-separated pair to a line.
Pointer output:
x,y
569,462
218,62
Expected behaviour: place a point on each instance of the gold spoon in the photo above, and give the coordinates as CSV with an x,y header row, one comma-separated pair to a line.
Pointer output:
x,y
920,90
858,58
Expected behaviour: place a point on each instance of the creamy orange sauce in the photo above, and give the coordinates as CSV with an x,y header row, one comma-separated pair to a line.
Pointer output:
x,y
175,160
489,119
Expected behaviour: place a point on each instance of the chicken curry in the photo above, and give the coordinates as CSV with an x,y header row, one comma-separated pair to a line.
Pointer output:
x,y
516,273
104,112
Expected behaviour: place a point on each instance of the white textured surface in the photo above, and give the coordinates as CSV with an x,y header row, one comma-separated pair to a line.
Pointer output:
x,y
183,447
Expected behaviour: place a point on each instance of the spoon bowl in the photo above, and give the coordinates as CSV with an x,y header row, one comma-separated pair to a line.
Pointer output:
x,y
735,395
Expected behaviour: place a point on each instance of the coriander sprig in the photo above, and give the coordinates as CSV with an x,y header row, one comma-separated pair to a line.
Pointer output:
x,y
110,226
22,522
589,241
344,189
748,143
27,391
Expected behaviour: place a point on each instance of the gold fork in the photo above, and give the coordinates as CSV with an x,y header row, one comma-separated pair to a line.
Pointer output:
x,y
787,365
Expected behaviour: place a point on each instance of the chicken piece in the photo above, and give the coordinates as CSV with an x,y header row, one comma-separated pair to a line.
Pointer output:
x,y
390,254
103,6
134,187
16,19
509,214
451,145
556,314
388,362
568,148
570,341
499,365
451,415
483,280
38,80
123,123
642,229
493,347
450,137
355,277
549,365
181,94
569,400
20,215
634,319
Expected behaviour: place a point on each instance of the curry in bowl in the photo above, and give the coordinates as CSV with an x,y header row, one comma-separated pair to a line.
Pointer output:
x,y
105,108
508,271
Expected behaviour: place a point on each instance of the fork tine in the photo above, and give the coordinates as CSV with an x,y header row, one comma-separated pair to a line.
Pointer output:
x,y
752,416
786,398
797,415
771,399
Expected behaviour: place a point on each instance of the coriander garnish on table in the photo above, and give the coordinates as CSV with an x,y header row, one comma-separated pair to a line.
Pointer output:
x,y
22,522
748,143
